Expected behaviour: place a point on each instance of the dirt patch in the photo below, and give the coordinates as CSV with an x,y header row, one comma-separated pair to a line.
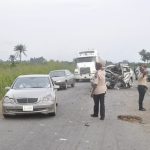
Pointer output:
x,y
129,118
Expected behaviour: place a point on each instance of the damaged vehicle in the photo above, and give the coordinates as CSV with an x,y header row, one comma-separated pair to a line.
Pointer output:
x,y
120,76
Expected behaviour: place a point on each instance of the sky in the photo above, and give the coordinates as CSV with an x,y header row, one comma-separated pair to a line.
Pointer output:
x,y
58,29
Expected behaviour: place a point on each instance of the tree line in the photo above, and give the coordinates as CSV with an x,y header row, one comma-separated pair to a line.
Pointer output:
x,y
20,50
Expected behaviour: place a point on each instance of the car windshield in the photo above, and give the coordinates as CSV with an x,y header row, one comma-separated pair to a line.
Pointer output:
x,y
31,82
57,74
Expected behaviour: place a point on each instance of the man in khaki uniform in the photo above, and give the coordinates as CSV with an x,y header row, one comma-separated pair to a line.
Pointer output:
x,y
142,86
98,91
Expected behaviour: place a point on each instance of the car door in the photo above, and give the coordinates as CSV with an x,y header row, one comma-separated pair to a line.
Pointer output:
x,y
126,74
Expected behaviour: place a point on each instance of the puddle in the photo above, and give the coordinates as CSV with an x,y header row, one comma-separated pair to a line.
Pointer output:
x,y
129,118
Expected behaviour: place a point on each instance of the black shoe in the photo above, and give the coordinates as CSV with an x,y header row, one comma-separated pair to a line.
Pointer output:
x,y
102,118
142,109
93,115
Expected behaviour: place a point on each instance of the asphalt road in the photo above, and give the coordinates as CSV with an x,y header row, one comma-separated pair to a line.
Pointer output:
x,y
73,128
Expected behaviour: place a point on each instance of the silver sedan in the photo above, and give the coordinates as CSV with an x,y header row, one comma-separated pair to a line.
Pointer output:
x,y
30,94
63,78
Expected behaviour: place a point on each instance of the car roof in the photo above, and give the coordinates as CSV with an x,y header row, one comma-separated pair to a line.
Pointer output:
x,y
34,75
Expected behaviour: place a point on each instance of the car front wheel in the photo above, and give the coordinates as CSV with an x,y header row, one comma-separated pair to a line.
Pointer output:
x,y
65,86
6,116
53,113
73,84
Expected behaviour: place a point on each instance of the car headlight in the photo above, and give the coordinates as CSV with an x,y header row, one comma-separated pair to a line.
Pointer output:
x,y
8,100
76,71
47,98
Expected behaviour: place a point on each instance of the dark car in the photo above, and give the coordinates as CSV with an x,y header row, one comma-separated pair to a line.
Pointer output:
x,y
63,78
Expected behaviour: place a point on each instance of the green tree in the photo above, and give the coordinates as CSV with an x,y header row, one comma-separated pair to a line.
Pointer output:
x,y
12,59
145,56
20,49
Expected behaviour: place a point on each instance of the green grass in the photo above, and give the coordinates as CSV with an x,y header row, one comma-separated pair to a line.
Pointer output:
x,y
9,73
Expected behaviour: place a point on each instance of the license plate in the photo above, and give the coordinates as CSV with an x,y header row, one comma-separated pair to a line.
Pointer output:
x,y
28,108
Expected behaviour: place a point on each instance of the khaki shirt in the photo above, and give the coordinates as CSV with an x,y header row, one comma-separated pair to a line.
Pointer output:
x,y
99,80
142,80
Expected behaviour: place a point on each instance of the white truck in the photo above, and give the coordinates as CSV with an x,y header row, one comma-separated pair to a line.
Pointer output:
x,y
85,65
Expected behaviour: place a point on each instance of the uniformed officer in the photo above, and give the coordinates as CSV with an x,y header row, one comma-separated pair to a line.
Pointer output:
x,y
142,86
98,91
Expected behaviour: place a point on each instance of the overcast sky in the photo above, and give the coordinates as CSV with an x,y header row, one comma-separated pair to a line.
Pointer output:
x,y
58,29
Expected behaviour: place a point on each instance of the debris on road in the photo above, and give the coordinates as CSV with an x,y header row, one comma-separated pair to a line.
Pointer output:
x,y
86,124
130,118
62,139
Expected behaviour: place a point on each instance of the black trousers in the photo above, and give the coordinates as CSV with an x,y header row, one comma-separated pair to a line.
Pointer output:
x,y
142,90
99,99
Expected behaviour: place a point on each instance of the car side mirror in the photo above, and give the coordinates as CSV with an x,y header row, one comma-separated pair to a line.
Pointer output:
x,y
7,88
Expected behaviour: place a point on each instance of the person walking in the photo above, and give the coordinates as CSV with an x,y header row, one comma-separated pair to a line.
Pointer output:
x,y
142,86
98,91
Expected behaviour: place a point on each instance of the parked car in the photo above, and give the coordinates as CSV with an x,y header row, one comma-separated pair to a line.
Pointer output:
x,y
63,78
30,94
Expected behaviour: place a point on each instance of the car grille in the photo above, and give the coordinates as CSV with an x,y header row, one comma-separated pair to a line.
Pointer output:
x,y
27,100
84,70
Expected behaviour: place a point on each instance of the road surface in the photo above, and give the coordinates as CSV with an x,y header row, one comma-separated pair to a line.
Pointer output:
x,y
73,128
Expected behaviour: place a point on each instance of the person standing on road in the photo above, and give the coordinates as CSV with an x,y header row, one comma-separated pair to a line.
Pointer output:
x,y
98,91
142,86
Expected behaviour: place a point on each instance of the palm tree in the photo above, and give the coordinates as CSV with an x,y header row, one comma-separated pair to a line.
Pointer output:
x,y
19,50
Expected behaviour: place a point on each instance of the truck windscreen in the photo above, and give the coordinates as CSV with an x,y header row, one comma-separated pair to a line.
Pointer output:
x,y
85,59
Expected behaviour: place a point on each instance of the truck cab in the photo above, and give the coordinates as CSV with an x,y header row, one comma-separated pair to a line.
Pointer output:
x,y
85,65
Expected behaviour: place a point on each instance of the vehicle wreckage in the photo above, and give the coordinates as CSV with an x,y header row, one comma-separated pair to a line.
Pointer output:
x,y
119,76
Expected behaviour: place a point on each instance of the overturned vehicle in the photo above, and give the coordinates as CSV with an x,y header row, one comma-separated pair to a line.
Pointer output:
x,y
119,76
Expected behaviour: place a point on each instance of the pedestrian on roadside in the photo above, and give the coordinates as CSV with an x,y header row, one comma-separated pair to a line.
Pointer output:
x,y
98,91
142,86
